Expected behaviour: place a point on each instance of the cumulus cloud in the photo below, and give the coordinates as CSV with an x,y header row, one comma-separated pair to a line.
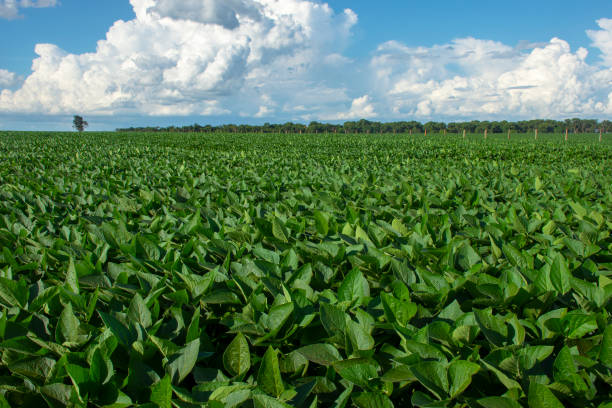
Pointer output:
x,y
361,108
9,9
191,58
283,59
8,79
471,78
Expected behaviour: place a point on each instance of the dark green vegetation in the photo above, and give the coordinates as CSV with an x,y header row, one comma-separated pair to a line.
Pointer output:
x,y
265,271
573,126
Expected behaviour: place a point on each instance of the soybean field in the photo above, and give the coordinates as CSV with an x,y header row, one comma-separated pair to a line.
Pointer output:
x,y
231,270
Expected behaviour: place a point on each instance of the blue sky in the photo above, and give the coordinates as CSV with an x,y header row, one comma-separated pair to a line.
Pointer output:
x,y
251,61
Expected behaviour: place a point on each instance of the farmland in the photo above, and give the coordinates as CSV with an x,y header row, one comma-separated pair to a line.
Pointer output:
x,y
221,270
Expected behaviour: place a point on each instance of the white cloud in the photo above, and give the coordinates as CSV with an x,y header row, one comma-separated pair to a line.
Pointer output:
x,y
8,79
470,78
602,39
283,60
361,108
9,9
192,57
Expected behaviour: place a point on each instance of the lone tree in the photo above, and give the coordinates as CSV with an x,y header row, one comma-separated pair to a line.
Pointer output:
x,y
78,123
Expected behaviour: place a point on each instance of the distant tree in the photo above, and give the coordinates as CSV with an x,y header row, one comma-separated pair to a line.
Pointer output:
x,y
79,124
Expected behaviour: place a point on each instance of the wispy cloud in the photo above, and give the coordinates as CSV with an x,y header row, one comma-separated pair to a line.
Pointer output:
x,y
9,9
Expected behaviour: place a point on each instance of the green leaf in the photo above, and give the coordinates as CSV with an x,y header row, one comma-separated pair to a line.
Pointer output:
x,y
13,293
358,371
37,368
269,377
372,400
432,375
333,319
263,401
514,256
460,374
397,311
72,280
139,312
399,374
275,320
80,379
466,257
420,399
359,337
560,275
123,334
101,368
323,354
237,357
577,324
193,331
425,351
354,287
321,222
493,327
67,330
605,351
498,402
541,397
564,371
181,363
161,392
279,232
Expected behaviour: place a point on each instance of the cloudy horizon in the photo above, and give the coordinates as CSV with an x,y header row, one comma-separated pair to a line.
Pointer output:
x,y
250,61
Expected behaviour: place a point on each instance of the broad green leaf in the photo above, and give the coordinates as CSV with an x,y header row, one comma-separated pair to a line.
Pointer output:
x,y
101,368
263,401
514,256
139,312
123,334
333,319
269,377
37,368
460,373
425,351
237,357
398,311
564,371
279,231
354,287
466,257
358,371
13,293
359,337
372,400
72,280
321,222
399,374
541,397
493,327
323,354
193,331
432,375
161,393
560,275
67,330
181,363
498,402
577,325
605,351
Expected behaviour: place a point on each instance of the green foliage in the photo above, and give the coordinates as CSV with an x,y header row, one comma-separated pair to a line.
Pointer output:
x,y
177,270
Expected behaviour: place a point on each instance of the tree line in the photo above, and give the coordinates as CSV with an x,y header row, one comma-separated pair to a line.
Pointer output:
x,y
365,126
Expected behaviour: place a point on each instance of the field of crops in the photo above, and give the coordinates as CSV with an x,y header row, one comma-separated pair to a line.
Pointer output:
x,y
190,270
